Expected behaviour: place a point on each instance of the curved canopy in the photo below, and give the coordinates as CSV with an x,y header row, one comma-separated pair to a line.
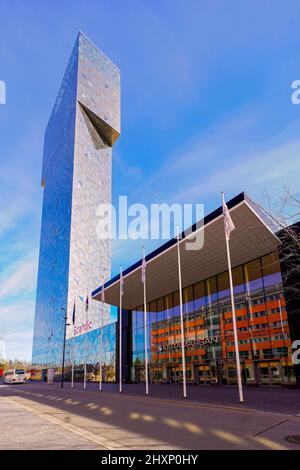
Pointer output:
x,y
253,237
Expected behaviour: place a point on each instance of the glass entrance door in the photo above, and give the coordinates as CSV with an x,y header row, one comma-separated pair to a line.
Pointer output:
x,y
173,375
204,374
276,375
264,376
176,375
271,374
139,374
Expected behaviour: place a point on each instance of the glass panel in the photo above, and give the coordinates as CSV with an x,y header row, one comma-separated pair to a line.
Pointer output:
x,y
256,310
134,319
152,313
176,309
169,306
199,296
207,316
188,300
275,304
271,271
212,303
238,281
253,278
140,317
160,310
188,315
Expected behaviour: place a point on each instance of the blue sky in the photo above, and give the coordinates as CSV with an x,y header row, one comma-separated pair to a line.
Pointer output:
x,y
206,105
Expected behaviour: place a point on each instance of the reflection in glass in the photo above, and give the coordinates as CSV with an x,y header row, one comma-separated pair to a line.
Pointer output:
x,y
207,316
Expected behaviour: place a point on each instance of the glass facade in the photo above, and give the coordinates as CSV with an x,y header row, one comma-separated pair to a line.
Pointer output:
x,y
263,330
81,347
88,346
52,287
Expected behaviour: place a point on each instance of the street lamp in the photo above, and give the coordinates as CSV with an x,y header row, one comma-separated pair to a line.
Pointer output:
x,y
64,348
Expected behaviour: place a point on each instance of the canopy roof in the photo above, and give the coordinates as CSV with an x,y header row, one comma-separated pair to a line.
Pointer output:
x,y
253,237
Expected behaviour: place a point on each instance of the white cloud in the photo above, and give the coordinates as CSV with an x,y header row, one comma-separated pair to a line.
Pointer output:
x,y
231,157
12,214
21,310
16,328
19,336
254,173
19,345
18,278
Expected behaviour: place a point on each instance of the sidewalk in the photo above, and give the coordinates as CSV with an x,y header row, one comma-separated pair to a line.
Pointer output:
x,y
132,421
43,434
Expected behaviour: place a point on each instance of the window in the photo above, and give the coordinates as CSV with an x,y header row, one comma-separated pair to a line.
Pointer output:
x,y
199,296
188,302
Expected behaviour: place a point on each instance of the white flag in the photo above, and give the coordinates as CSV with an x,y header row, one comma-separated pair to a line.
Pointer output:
x,y
228,224
102,291
143,267
121,282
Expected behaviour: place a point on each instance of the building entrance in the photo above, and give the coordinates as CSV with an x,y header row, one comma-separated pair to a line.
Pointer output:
x,y
270,373
174,375
139,374
222,372
205,374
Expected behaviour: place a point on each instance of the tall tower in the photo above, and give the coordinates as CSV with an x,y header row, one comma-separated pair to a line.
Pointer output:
x,y
76,177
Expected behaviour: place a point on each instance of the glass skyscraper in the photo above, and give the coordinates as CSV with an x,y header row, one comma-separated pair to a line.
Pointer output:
x,y
76,177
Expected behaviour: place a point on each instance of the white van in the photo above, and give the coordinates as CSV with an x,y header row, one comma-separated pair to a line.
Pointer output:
x,y
14,376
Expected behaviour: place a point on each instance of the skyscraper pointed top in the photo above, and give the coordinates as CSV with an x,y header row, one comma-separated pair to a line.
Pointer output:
x,y
98,89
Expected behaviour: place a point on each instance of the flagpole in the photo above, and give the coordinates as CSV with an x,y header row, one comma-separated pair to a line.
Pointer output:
x,y
72,379
101,346
236,344
85,348
101,335
73,341
120,331
181,319
145,325
72,376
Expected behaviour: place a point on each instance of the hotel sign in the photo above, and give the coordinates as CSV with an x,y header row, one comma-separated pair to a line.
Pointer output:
x,y
193,343
78,330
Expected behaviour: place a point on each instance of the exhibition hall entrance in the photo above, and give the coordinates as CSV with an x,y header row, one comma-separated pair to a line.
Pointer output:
x,y
270,373
174,375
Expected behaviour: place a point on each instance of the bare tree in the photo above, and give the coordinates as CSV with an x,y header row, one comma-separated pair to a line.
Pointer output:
x,y
285,216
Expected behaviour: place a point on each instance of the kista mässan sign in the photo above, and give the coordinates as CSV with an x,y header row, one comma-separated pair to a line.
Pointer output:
x,y
193,343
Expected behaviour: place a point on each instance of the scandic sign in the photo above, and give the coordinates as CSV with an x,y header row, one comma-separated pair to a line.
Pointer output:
x,y
82,328
191,343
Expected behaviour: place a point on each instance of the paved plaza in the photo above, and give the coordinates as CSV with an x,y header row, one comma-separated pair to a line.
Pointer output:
x,y
41,416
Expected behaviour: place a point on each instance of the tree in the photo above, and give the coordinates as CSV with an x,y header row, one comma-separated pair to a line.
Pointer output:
x,y
285,217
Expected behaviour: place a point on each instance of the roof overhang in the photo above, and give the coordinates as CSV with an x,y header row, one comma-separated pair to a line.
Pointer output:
x,y
253,237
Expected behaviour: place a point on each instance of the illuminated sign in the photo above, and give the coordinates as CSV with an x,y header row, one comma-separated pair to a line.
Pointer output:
x,y
193,343
82,328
